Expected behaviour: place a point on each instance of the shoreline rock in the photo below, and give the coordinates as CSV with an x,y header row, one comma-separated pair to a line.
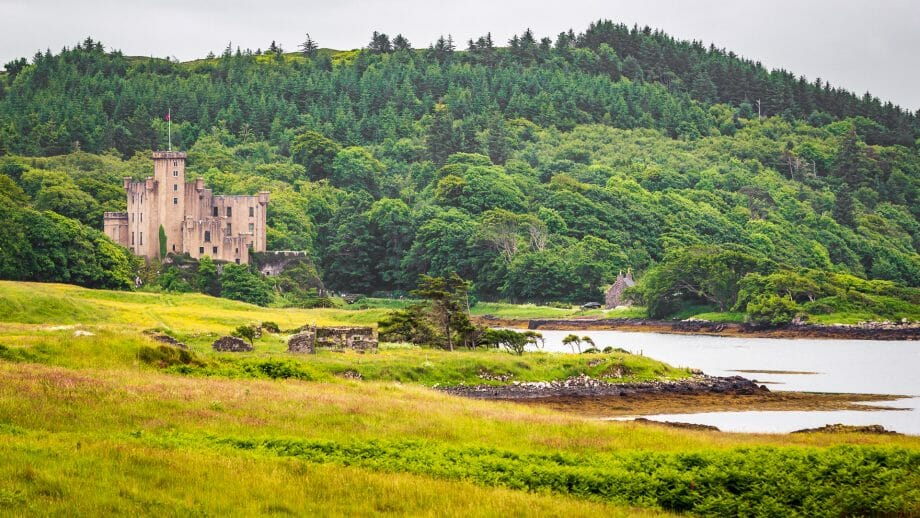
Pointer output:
x,y
586,386
677,424
844,428
861,331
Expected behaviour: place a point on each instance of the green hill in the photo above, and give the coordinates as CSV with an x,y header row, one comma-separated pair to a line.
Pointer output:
x,y
538,170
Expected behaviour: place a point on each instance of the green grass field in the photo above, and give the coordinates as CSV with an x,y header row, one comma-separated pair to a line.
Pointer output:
x,y
88,428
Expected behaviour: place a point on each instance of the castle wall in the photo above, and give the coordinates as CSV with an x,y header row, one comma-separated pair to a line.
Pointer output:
x,y
115,225
143,213
225,227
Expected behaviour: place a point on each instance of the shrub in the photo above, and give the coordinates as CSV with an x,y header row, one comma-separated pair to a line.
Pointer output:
x,y
772,310
237,282
165,356
271,327
246,332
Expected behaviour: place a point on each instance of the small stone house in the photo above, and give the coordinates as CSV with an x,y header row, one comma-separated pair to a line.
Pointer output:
x,y
614,296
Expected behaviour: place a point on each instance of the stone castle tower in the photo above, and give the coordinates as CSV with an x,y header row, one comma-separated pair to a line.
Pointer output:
x,y
194,220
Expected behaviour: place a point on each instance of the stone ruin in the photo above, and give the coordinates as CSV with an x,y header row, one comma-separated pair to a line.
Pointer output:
x,y
231,344
614,295
302,343
360,339
164,338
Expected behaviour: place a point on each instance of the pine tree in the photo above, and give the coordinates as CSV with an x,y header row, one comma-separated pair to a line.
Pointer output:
x,y
309,47
400,43
498,141
441,140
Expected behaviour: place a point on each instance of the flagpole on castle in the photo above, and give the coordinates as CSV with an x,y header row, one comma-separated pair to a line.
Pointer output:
x,y
169,126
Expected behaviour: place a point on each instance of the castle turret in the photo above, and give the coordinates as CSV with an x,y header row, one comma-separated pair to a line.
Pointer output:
x,y
169,173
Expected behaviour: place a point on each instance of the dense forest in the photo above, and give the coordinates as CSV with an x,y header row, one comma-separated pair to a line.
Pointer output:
x,y
538,169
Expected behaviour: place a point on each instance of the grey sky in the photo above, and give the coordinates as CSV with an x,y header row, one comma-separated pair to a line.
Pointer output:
x,y
860,45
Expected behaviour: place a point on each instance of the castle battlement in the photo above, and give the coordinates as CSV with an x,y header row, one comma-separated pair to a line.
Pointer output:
x,y
169,154
193,220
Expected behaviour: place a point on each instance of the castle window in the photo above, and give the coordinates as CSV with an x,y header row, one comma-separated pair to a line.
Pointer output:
x,y
214,250
215,211
175,162
174,248
207,236
175,201
141,239
237,251
252,211
142,217
132,217
175,173
200,250
252,227
175,187
229,231
237,261
132,238
229,211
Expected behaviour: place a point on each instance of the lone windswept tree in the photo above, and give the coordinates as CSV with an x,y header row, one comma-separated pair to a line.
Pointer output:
x,y
510,339
449,302
246,332
572,341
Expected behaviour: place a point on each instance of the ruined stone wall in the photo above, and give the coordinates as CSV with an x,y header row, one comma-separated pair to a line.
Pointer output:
x,y
231,344
339,338
302,343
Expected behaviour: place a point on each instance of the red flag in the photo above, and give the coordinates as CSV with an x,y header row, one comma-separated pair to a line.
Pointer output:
x,y
167,116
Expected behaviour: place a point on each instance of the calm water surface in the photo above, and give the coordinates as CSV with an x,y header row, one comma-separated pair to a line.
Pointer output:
x,y
845,366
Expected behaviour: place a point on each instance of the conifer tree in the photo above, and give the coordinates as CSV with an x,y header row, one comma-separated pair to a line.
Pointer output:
x,y
309,47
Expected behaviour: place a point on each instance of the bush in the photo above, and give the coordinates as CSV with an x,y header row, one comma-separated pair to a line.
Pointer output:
x,y
165,356
755,481
246,332
271,327
772,310
237,282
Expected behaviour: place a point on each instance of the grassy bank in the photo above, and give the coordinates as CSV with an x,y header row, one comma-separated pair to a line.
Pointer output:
x,y
89,426
136,429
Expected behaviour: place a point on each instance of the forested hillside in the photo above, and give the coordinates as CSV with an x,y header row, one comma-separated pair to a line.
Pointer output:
x,y
538,170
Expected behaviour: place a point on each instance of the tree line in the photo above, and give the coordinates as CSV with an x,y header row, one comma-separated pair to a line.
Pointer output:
x,y
536,171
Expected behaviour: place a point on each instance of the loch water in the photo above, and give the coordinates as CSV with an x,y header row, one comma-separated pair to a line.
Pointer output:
x,y
840,366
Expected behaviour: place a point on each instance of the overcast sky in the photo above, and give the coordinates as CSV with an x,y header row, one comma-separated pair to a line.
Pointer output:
x,y
860,45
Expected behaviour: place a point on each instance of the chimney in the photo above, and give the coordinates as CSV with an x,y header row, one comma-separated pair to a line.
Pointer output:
x,y
263,197
199,184
127,182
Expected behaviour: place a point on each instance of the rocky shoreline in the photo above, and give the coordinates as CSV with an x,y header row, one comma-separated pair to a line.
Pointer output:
x,y
864,331
586,386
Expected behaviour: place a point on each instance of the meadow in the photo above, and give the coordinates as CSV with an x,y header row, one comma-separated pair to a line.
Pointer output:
x,y
88,427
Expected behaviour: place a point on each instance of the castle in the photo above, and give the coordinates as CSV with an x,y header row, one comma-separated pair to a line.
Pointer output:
x,y
194,221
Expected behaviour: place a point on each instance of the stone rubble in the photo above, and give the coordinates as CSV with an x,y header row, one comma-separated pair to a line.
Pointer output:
x,y
231,344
